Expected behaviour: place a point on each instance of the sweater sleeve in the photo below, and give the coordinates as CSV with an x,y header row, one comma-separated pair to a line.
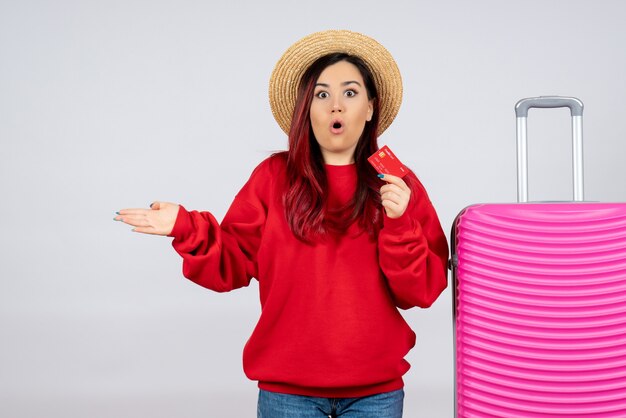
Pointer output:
x,y
223,257
413,252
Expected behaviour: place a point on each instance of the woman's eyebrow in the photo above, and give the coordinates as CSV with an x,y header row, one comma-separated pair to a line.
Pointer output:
x,y
345,83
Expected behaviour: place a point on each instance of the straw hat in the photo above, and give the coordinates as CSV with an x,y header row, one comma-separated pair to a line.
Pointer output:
x,y
294,62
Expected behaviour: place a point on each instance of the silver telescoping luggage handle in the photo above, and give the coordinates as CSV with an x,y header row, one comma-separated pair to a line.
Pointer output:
x,y
576,110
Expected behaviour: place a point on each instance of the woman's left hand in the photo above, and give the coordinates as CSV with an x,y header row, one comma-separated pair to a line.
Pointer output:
x,y
395,196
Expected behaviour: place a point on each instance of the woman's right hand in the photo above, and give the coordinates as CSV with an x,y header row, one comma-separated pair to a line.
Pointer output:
x,y
158,220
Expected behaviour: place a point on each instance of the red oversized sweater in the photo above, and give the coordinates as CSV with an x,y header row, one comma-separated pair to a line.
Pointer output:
x,y
329,323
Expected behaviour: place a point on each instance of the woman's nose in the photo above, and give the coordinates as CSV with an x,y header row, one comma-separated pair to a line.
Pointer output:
x,y
337,105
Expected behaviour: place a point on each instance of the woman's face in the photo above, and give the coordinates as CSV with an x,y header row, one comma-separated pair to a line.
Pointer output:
x,y
339,110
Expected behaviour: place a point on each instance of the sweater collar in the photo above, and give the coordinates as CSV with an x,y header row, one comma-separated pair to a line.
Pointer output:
x,y
340,170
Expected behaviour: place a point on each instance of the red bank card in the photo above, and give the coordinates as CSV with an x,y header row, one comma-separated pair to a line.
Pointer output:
x,y
385,162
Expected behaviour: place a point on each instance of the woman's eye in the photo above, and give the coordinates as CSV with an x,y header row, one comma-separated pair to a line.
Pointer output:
x,y
350,93
322,95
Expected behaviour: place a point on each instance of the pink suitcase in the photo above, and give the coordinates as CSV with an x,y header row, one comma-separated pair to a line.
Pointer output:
x,y
540,300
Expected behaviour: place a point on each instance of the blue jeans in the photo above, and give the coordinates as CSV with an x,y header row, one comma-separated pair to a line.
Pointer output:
x,y
280,405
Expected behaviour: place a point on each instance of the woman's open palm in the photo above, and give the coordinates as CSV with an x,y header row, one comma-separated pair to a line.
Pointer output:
x,y
158,220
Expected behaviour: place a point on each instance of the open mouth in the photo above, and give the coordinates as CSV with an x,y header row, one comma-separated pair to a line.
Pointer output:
x,y
336,127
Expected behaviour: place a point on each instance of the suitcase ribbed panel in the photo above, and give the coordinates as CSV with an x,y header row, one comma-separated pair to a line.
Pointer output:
x,y
540,310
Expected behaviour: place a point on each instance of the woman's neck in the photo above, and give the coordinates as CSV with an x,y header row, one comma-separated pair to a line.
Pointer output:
x,y
338,159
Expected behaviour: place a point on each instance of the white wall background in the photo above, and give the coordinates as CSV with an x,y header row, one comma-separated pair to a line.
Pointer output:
x,y
112,104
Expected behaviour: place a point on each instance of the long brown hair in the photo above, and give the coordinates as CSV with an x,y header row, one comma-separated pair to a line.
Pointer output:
x,y
305,198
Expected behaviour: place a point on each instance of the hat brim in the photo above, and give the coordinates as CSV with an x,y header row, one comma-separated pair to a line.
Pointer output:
x,y
283,88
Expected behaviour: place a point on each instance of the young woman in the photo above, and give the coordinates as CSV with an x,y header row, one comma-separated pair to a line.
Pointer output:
x,y
336,248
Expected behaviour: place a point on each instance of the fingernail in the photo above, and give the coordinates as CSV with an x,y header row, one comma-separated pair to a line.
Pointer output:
x,y
117,213
380,176
115,219
151,204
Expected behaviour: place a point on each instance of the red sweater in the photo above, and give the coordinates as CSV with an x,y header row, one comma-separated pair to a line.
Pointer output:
x,y
329,323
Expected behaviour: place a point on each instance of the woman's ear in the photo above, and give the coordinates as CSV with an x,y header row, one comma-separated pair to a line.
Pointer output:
x,y
370,110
